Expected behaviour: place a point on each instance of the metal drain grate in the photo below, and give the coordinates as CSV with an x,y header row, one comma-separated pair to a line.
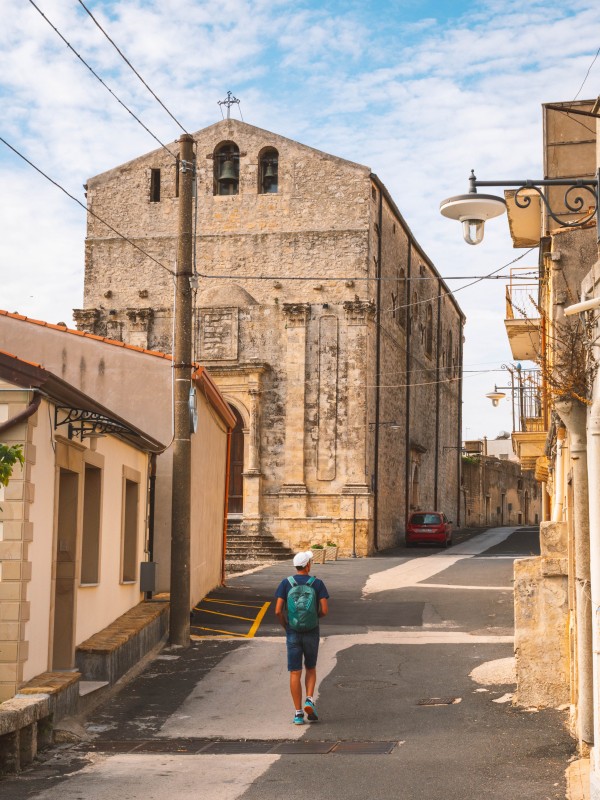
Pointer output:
x,y
199,746
364,748
438,701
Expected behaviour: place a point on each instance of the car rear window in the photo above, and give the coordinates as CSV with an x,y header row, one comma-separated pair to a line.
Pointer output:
x,y
425,519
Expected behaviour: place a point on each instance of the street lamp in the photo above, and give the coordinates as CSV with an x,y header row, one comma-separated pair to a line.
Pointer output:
x,y
496,395
473,209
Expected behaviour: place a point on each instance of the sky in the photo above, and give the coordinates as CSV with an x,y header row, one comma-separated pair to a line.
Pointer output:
x,y
420,91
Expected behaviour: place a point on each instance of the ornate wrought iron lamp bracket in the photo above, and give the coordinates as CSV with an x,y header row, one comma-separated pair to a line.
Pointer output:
x,y
577,191
82,424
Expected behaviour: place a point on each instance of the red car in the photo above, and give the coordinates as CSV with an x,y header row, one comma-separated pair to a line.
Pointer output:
x,y
425,527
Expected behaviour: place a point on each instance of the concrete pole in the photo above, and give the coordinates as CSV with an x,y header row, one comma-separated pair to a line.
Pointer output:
x,y
573,414
593,450
179,623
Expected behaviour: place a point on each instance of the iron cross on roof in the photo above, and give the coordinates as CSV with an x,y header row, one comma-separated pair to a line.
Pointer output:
x,y
230,101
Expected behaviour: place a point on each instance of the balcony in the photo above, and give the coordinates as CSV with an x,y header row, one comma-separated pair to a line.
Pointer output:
x,y
522,320
529,422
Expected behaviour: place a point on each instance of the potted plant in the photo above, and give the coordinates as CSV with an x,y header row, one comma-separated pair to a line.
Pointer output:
x,y
318,552
331,551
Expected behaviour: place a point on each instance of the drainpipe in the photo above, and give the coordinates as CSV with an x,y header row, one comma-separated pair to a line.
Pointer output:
x,y
226,505
593,458
377,387
573,414
557,509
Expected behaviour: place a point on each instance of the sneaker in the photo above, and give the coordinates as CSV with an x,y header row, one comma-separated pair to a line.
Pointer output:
x,y
299,718
311,711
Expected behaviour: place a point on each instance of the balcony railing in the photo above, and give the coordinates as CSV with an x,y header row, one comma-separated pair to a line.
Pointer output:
x,y
522,319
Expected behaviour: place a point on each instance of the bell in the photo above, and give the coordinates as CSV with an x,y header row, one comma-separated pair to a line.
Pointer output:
x,y
270,171
228,172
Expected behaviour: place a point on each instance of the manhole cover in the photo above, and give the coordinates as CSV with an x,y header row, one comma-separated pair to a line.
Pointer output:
x,y
438,701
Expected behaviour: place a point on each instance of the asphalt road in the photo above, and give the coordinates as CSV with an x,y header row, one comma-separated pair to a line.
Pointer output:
x,y
402,712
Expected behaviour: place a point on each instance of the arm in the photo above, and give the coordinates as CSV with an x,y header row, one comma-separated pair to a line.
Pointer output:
x,y
323,607
279,608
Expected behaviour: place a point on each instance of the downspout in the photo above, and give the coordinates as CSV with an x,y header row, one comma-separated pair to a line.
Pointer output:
x,y
573,414
22,415
408,307
437,396
459,415
559,477
593,457
226,505
378,379
151,505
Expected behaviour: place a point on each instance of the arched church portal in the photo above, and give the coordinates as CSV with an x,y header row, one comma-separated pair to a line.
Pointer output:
x,y
236,467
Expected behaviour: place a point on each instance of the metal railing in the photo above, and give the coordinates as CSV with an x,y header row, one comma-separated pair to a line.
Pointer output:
x,y
522,299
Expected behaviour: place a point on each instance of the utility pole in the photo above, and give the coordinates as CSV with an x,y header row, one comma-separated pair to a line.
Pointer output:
x,y
179,622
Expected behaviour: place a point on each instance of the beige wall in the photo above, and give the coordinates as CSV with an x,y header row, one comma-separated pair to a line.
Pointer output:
x,y
99,605
134,384
30,535
209,463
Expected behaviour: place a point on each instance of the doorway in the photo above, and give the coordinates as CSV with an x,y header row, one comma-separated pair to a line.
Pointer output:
x,y
235,504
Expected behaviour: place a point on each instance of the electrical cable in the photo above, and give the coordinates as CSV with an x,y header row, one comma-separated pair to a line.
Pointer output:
x,y
129,64
85,208
95,74
587,74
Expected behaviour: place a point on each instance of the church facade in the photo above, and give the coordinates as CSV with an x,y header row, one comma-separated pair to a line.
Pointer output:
x,y
324,324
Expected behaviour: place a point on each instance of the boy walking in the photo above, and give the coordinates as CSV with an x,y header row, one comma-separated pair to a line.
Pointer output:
x,y
301,601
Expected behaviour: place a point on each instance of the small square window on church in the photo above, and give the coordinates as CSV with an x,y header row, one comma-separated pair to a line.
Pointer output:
x,y
155,186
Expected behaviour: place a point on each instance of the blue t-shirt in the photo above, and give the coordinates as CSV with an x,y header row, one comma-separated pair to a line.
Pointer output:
x,y
285,586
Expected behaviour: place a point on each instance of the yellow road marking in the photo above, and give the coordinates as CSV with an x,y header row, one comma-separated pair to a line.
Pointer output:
x,y
231,603
251,633
258,620
215,630
221,614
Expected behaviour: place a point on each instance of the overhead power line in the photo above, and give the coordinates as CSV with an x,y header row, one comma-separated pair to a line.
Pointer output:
x,y
129,64
85,208
95,74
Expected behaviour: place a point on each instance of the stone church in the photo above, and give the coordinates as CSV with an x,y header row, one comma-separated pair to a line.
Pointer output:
x,y
324,324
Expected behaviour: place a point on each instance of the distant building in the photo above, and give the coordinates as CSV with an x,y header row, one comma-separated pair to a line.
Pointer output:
x,y
495,489
324,324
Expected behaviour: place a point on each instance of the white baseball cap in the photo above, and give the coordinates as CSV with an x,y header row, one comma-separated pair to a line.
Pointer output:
x,y
302,559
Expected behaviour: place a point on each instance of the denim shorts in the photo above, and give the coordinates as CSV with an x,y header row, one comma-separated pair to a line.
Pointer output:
x,y
302,644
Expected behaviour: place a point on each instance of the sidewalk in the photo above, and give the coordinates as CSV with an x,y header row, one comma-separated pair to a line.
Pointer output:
x,y
578,780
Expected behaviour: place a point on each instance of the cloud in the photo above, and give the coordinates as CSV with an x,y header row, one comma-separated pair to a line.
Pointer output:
x,y
421,101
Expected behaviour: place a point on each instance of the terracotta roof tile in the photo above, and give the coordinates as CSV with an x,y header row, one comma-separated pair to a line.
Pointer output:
x,y
74,331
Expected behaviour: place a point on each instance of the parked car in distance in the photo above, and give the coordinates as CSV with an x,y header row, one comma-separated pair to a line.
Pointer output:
x,y
428,527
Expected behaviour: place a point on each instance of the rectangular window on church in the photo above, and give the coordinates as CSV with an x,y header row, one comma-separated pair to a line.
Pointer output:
x,y
154,185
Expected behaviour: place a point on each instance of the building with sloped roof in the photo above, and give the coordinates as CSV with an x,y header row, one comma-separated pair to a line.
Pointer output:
x,y
324,324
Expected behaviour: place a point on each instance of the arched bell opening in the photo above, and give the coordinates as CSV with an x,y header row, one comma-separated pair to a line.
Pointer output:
x,y
226,174
268,171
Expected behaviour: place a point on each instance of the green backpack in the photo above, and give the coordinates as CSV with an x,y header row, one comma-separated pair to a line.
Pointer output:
x,y
302,612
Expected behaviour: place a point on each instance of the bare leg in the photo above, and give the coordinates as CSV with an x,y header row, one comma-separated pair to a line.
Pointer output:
x,y
296,688
310,680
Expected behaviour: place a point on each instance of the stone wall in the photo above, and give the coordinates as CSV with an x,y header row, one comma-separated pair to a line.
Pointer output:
x,y
286,318
542,647
497,492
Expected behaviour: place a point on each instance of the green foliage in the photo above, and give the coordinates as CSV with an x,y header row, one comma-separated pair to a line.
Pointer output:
x,y
9,455
316,547
470,460
331,544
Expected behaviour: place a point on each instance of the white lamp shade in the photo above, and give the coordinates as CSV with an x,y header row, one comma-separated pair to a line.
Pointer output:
x,y
495,397
473,206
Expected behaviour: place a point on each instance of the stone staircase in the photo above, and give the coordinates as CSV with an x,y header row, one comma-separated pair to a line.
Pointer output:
x,y
245,551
